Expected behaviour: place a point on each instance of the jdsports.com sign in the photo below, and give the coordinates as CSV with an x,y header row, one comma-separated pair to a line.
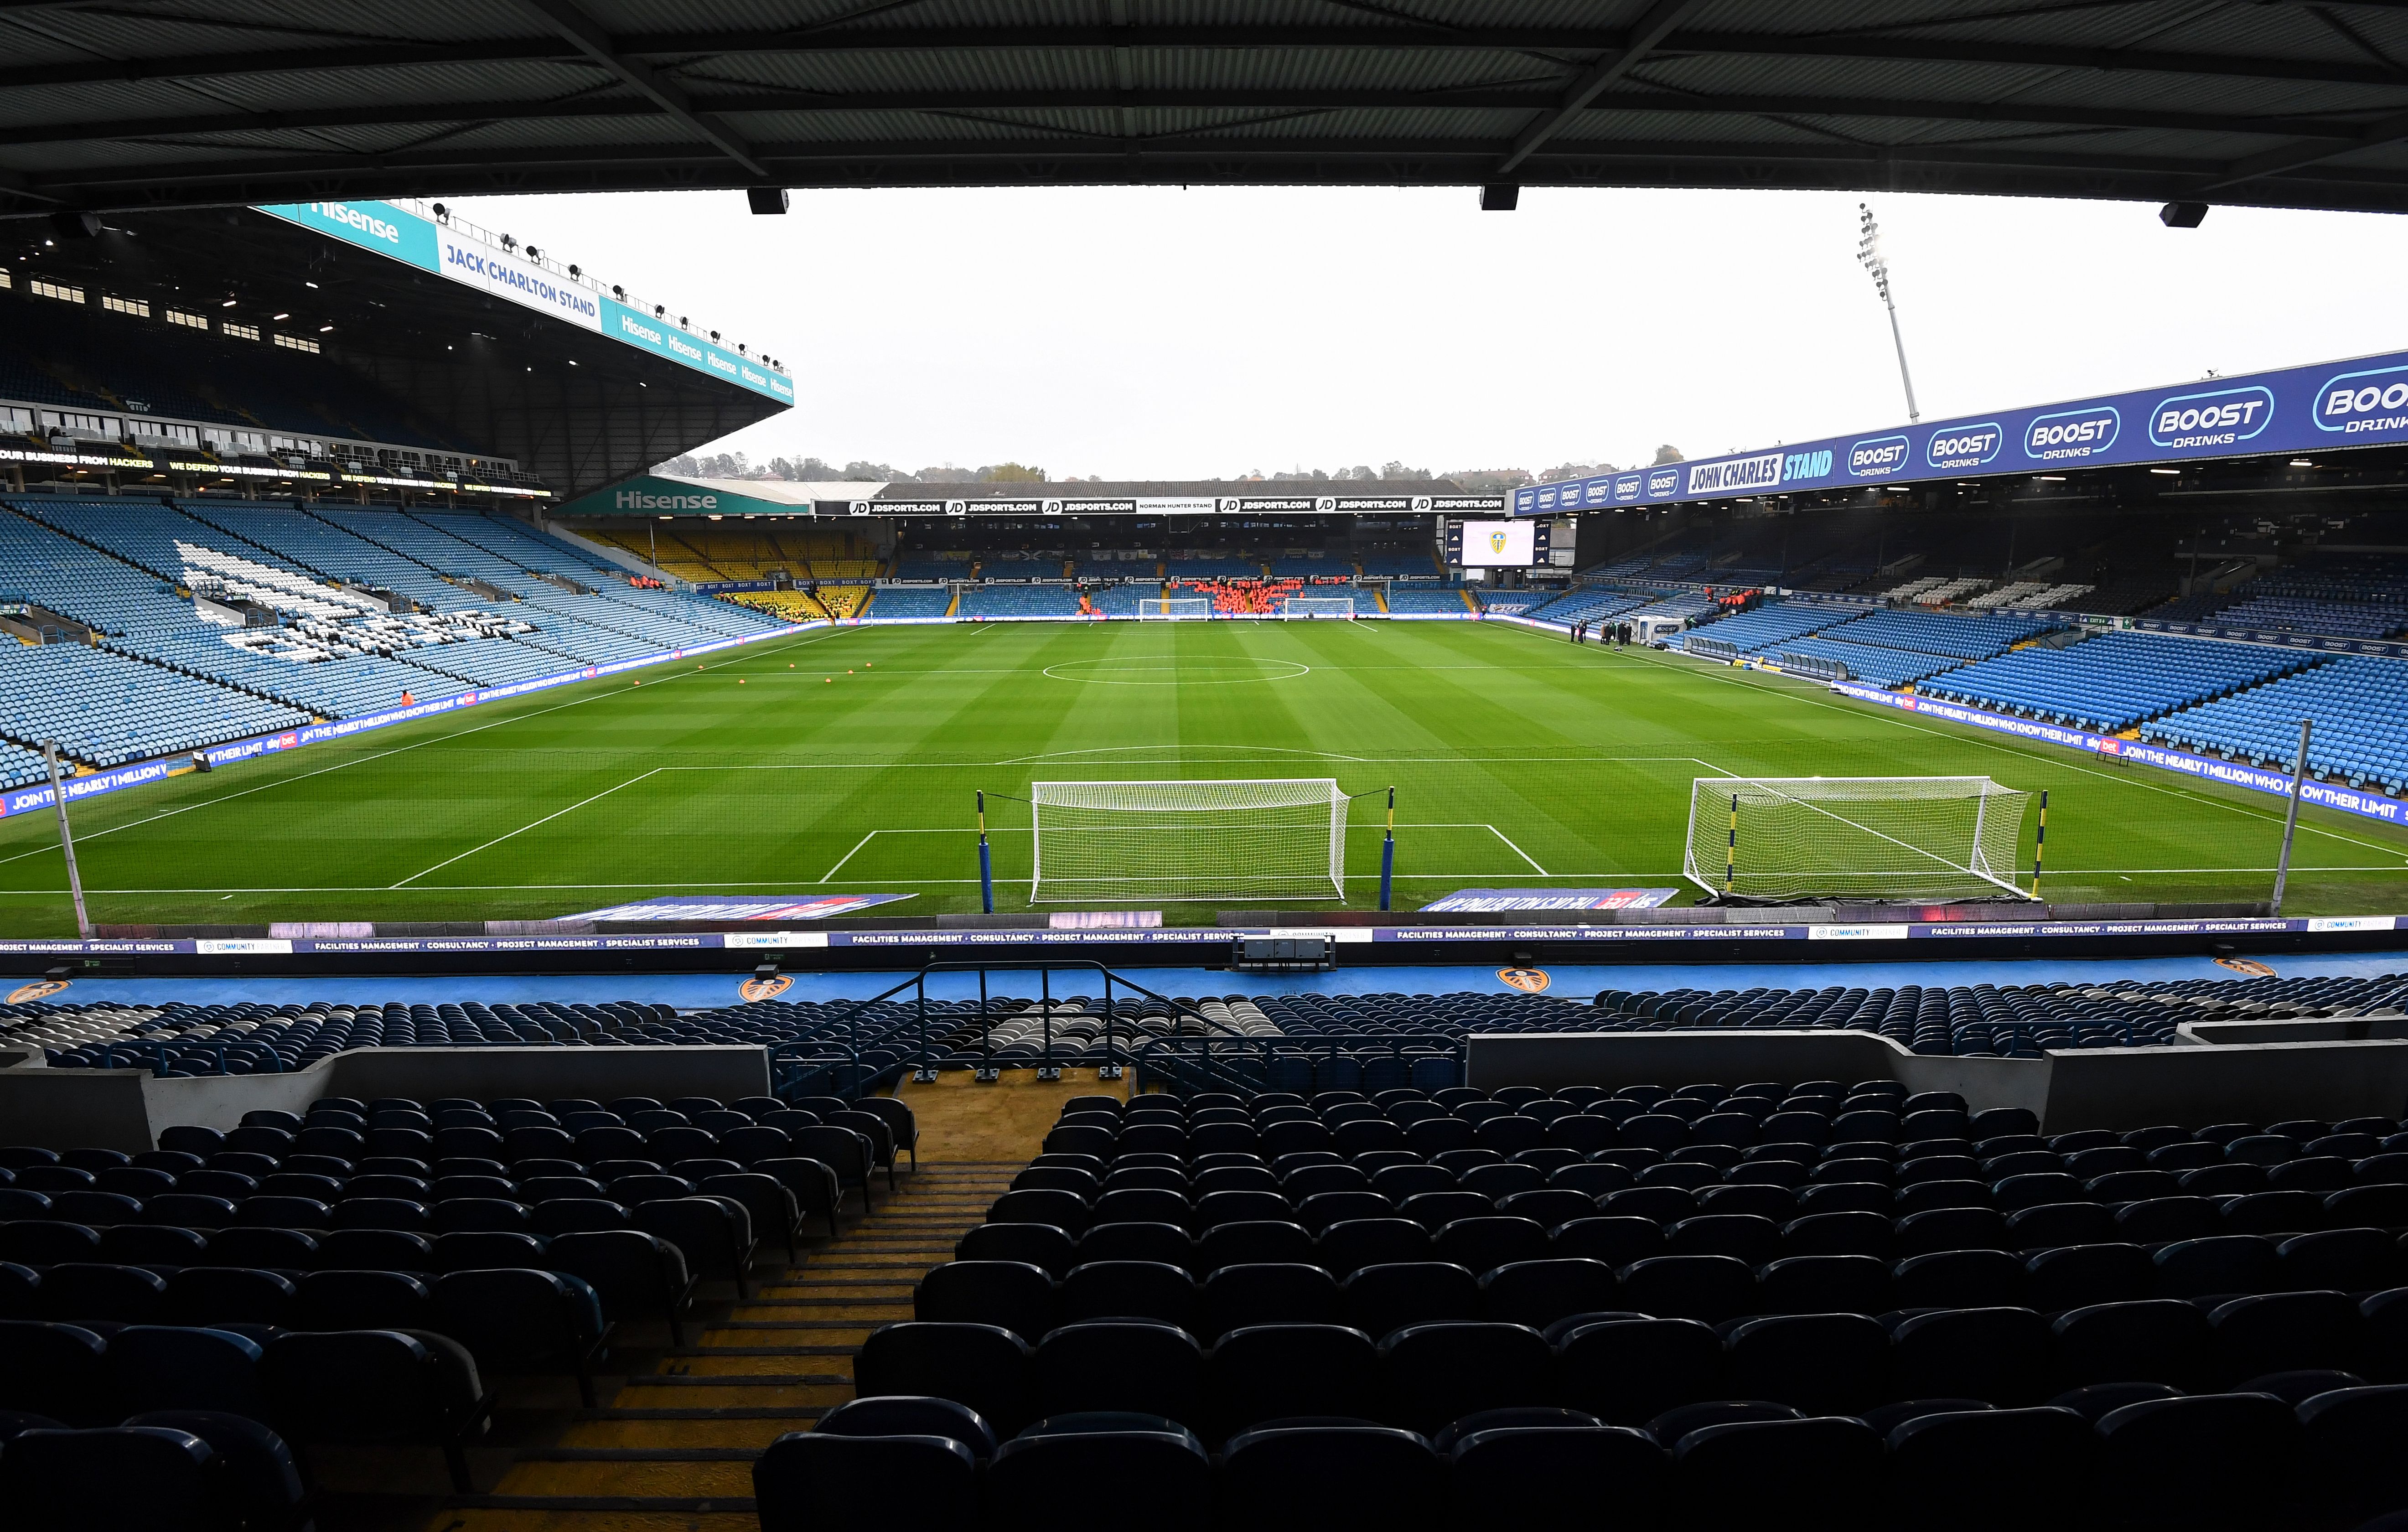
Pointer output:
x,y
2362,403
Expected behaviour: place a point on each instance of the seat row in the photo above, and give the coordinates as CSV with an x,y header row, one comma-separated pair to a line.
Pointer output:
x,y
566,1204
1540,1283
512,1317
366,1387
249,1275
2147,1204
631,1275
2160,1460
1630,1368
1618,1126
162,1470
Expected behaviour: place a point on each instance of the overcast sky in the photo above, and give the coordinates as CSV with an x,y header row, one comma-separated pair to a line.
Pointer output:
x,y
1152,332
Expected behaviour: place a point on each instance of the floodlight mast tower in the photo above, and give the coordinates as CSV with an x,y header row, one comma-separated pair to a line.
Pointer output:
x,y
1869,255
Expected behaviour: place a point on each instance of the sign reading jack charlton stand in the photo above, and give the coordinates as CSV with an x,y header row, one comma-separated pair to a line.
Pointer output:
x,y
2319,408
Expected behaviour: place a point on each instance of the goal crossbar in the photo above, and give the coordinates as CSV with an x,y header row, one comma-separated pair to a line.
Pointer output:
x,y
1888,838
1266,837
1174,608
1317,606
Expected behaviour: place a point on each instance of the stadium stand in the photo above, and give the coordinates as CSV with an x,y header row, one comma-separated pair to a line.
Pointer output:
x,y
2360,705
902,601
1767,628
702,552
20,766
1306,1032
1449,599
2116,680
933,567
1589,605
1210,566
1958,638
1020,601
1298,1281
2291,614
159,678
1881,667
63,355
108,710
1498,1300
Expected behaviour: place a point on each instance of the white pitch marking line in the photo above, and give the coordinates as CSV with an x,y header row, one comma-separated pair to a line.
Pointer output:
x,y
1519,852
847,857
523,829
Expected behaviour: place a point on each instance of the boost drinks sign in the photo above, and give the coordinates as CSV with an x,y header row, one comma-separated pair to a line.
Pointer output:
x,y
2296,409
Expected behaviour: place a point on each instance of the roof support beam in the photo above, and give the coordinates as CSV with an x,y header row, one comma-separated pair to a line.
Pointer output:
x,y
2338,137
1660,19
596,45
2249,167
1518,40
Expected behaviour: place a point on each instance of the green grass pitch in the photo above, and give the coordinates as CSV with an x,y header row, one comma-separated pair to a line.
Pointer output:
x,y
846,760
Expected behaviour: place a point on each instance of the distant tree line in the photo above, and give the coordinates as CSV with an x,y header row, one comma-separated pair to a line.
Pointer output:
x,y
820,471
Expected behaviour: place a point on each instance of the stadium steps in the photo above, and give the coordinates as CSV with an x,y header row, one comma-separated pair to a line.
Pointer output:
x,y
953,606
671,1449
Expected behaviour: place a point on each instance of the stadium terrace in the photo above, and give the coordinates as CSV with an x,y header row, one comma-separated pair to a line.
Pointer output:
x,y
1853,982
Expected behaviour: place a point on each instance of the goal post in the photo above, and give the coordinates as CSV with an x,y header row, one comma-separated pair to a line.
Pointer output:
x,y
1118,842
1877,838
1318,606
1173,609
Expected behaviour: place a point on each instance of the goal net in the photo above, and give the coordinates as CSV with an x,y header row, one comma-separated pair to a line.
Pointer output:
x,y
1317,606
1173,607
1244,838
1882,838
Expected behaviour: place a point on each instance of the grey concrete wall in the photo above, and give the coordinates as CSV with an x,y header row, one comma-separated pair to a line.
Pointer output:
x,y
126,1108
2105,1087
60,1108
1614,1059
2246,1082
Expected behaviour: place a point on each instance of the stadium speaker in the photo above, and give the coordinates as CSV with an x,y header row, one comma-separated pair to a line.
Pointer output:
x,y
75,225
766,199
2183,215
1499,198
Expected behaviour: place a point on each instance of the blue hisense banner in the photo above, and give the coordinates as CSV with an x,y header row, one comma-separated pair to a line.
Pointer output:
x,y
2360,402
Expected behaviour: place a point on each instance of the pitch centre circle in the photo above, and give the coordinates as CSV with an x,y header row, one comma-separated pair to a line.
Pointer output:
x,y
1172,672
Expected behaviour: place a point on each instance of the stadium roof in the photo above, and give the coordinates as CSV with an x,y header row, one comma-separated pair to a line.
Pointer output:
x,y
116,103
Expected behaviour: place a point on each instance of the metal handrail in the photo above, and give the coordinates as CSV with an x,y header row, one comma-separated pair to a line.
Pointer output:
x,y
790,1062
1308,1046
1116,1040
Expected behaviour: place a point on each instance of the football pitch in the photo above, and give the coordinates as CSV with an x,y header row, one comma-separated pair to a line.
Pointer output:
x,y
847,761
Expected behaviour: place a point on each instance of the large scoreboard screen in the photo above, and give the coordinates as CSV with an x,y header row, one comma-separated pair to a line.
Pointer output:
x,y
1496,545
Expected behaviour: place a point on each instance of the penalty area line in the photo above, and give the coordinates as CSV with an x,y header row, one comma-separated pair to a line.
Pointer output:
x,y
1519,852
523,829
